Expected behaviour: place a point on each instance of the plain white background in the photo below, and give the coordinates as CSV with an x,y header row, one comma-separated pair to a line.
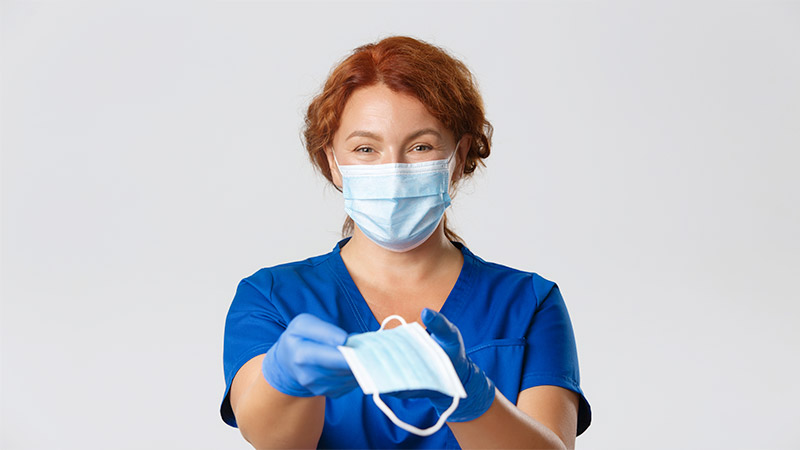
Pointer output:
x,y
645,158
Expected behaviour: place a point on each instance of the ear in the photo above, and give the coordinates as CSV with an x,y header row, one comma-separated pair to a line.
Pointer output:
x,y
461,155
336,176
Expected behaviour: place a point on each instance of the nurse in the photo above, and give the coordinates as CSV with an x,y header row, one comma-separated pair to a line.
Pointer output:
x,y
397,126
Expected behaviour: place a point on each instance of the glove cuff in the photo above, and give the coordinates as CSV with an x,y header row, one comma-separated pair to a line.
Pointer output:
x,y
273,373
480,396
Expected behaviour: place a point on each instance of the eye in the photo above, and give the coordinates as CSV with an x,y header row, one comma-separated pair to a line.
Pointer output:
x,y
364,150
422,148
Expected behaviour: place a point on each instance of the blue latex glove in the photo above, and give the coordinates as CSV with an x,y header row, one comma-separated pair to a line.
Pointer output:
x,y
479,388
305,361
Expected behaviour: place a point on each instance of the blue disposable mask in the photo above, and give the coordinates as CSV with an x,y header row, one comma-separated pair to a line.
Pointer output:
x,y
397,206
404,358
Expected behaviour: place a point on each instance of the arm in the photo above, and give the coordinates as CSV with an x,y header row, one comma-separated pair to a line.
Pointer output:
x,y
545,417
278,398
269,418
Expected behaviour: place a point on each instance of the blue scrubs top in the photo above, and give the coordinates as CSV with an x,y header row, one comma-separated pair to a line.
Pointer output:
x,y
514,324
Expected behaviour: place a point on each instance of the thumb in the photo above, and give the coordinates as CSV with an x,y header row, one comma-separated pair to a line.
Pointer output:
x,y
442,330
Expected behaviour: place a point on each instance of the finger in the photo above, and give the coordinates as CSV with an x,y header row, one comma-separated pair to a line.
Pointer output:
x,y
441,328
327,358
313,328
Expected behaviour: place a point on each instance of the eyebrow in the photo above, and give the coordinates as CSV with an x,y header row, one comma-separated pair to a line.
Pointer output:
x,y
414,135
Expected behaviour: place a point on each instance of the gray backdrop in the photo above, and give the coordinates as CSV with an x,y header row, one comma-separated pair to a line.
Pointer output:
x,y
645,159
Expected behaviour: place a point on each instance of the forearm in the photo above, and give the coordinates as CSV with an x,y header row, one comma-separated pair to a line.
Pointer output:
x,y
268,418
503,425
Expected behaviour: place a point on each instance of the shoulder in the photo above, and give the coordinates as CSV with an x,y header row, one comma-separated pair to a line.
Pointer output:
x,y
509,277
266,282
268,275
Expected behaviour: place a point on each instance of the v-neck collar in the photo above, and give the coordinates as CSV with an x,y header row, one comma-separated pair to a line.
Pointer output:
x,y
452,308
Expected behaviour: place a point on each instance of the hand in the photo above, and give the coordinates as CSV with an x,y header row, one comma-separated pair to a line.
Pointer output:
x,y
305,361
479,388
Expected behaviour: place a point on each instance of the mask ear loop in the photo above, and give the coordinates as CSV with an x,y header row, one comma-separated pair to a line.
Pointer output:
x,y
411,428
390,318
455,150
391,415
452,172
333,152
339,168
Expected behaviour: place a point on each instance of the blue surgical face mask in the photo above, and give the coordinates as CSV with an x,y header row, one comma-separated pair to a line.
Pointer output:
x,y
397,206
404,358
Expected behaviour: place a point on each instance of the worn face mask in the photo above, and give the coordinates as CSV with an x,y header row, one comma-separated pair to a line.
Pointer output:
x,y
402,359
397,206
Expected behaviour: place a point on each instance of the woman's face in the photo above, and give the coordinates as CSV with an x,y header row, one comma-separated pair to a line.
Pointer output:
x,y
380,126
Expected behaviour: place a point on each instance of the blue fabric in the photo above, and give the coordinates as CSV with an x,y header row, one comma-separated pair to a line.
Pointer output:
x,y
515,327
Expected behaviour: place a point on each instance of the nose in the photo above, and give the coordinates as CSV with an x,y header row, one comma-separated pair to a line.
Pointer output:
x,y
395,156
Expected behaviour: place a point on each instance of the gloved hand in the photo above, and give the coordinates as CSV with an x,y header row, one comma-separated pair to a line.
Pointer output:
x,y
305,361
479,388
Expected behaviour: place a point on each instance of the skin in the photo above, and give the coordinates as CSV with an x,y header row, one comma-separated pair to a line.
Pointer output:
x,y
379,126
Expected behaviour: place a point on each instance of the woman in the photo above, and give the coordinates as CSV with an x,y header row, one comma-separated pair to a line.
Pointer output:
x,y
398,124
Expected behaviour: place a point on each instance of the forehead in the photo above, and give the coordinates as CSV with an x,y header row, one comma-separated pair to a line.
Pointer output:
x,y
379,109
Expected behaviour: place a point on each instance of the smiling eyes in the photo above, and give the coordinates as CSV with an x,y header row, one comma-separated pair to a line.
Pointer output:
x,y
416,148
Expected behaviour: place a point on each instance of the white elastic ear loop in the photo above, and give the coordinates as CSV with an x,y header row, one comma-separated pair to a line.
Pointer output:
x,y
454,151
390,318
333,152
339,168
391,415
411,428
452,171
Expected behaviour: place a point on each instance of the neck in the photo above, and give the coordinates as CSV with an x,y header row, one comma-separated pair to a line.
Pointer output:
x,y
362,255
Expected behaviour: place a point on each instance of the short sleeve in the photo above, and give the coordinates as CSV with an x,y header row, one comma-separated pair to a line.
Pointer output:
x,y
551,355
253,324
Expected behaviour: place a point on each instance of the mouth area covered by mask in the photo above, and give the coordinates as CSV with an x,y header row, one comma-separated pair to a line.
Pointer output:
x,y
404,358
397,206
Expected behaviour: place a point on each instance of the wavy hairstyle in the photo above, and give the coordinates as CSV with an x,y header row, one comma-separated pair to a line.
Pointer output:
x,y
440,82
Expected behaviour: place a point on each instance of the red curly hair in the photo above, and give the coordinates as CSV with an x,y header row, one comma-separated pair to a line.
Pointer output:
x,y
440,82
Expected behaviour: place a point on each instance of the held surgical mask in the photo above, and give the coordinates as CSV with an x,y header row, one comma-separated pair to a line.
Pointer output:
x,y
404,358
397,206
